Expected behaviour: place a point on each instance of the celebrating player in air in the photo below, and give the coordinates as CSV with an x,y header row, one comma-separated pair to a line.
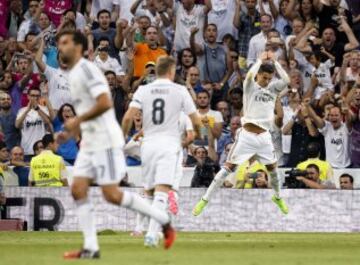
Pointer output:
x,y
161,103
254,138
101,157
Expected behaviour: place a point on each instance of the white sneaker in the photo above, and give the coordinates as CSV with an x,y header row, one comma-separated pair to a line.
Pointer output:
x,y
151,242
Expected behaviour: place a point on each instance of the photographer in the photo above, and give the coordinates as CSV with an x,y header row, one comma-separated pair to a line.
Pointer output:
x,y
313,151
251,175
256,180
148,76
311,179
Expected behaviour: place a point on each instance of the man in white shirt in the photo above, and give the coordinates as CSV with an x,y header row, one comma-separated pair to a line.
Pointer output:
x,y
258,42
222,15
104,61
189,15
336,134
33,121
122,9
311,65
58,79
212,117
97,5
154,10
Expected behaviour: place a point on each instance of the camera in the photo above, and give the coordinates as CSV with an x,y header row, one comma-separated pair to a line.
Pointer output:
x,y
290,179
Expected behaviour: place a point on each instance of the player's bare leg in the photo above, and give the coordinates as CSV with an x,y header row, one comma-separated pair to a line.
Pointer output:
x,y
85,212
217,182
160,202
275,185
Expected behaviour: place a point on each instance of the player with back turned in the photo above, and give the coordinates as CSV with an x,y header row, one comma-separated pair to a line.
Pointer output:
x,y
161,102
254,138
101,157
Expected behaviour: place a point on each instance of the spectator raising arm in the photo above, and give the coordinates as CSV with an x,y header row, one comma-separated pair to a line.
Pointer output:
x,y
119,38
353,42
211,150
135,6
237,16
193,45
39,54
319,122
20,120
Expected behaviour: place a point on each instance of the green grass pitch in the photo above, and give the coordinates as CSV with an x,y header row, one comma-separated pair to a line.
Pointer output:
x,y
38,248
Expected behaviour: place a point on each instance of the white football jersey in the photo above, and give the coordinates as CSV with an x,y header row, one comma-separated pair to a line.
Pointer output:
x,y
87,82
259,103
162,102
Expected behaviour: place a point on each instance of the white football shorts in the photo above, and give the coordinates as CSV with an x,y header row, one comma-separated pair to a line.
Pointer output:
x,y
248,144
105,167
161,163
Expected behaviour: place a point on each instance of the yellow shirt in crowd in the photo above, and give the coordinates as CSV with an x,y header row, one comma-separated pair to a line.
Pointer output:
x,y
246,168
326,171
47,170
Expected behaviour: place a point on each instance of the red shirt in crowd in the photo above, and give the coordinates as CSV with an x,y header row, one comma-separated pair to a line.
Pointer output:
x,y
34,82
55,8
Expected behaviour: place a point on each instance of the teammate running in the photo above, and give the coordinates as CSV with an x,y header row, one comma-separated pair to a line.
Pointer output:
x,y
161,103
100,158
254,137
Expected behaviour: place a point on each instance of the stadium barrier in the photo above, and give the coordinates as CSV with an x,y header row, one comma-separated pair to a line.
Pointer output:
x,y
229,210
134,175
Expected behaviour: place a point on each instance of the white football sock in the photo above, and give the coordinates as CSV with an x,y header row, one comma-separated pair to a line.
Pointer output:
x,y
142,220
275,183
216,183
161,203
85,212
134,202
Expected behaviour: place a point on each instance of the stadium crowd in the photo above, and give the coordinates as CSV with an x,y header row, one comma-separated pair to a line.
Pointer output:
x,y
317,125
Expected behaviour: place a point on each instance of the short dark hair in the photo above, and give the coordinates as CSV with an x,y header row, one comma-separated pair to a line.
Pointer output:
x,y
201,147
211,24
266,68
346,175
104,38
31,33
68,11
35,146
109,72
317,54
47,140
77,37
314,167
102,11
313,149
204,92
